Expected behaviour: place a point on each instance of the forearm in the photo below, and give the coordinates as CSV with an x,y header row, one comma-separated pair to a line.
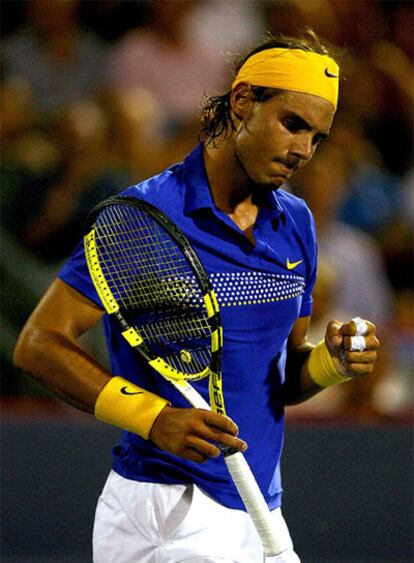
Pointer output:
x,y
299,386
59,363
56,360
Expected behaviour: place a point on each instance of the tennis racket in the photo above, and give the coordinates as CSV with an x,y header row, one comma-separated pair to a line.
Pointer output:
x,y
153,285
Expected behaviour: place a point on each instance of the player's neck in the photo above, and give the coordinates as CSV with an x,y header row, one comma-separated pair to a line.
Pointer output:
x,y
229,185
230,188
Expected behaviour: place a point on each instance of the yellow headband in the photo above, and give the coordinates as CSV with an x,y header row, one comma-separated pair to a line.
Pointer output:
x,y
292,69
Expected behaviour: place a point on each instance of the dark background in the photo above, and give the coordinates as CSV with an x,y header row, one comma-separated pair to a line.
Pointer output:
x,y
76,136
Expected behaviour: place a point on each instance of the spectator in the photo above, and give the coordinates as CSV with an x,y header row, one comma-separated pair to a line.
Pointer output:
x,y
162,59
373,194
53,201
135,120
59,62
362,283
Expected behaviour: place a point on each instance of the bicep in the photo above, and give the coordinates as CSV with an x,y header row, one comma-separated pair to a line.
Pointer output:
x,y
48,349
63,310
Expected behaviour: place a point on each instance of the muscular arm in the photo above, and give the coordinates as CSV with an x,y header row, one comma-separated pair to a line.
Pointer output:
x,y
48,349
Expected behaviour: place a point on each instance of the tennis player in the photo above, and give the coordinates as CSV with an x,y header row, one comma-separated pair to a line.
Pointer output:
x,y
169,497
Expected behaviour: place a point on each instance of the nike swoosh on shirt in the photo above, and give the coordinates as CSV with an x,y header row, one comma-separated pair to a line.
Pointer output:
x,y
125,391
291,265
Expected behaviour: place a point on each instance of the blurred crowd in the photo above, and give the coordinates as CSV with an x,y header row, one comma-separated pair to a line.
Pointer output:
x,y
98,95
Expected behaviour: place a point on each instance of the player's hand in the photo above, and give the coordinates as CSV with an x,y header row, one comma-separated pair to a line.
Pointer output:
x,y
194,433
341,343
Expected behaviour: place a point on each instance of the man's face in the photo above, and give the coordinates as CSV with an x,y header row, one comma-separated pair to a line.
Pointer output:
x,y
275,138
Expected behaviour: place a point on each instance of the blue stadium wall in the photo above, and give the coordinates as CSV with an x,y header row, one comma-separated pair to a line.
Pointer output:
x,y
348,491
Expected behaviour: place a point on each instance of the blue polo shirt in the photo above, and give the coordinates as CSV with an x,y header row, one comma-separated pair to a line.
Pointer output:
x,y
262,290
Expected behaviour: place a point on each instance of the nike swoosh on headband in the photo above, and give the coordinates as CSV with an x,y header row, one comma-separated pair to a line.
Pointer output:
x,y
329,75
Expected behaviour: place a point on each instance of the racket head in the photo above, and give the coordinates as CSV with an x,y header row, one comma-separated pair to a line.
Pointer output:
x,y
152,282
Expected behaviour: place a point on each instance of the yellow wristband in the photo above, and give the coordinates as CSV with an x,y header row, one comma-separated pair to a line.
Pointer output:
x,y
126,405
322,369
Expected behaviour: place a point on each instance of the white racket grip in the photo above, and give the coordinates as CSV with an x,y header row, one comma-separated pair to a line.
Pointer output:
x,y
192,396
244,481
254,502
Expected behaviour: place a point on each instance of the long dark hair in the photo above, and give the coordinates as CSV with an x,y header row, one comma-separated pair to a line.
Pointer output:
x,y
216,119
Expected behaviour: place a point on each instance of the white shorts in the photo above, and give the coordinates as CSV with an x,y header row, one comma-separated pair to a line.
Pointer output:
x,y
139,522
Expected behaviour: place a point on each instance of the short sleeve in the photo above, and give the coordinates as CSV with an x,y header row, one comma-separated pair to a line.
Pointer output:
x,y
76,274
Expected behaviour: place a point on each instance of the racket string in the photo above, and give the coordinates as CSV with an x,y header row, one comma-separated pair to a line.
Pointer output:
x,y
189,335
146,260
153,282
128,263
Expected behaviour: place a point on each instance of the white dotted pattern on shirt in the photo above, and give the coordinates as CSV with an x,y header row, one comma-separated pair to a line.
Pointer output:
x,y
251,288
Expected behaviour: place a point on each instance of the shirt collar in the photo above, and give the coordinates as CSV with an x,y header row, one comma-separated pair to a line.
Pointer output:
x,y
198,191
271,209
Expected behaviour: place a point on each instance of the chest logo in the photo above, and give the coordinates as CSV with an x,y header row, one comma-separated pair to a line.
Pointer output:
x,y
291,265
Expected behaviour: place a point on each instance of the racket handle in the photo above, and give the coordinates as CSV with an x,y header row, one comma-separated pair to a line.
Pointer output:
x,y
254,502
244,481
192,396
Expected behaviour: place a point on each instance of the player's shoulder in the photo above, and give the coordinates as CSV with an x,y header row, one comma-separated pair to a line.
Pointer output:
x,y
164,190
293,205
298,217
